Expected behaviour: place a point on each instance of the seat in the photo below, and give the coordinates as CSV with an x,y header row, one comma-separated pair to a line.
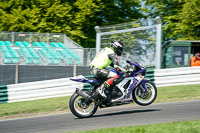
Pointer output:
x,y
29,60
53,44
57,61
43,44
18,43
7,60
36,44
25,44
1,43
16,60
50,61
36,60
7,43
61,45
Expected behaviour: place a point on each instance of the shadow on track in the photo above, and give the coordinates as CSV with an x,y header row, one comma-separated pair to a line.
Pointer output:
x,y
123,113
127,112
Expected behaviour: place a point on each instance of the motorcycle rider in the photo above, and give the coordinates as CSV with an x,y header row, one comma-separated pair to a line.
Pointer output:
x,y
107,56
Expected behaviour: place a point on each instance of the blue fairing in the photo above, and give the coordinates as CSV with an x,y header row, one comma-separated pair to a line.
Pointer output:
x,y
119,73
84,80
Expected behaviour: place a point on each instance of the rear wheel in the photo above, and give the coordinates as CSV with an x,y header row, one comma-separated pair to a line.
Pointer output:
x,y
142,97
82,108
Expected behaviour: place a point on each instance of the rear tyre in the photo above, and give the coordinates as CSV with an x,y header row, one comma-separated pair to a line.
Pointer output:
x,y
143,98
82,108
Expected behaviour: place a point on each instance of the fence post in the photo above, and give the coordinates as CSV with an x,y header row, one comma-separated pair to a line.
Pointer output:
x,y
16,73
13,37
74,72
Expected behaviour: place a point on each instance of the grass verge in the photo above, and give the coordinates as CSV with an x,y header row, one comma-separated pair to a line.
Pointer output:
x,y
170,127
61,104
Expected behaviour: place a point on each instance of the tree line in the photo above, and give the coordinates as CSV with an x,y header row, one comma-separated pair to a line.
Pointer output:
x,y
77,18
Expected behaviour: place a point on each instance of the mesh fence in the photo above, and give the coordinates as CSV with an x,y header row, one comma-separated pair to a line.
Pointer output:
x,y
26,63
140,44
38,37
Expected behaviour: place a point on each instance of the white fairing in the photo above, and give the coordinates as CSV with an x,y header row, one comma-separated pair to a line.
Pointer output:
x,y
127,93
111,74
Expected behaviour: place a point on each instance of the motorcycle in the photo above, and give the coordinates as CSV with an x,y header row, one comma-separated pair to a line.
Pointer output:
x,y
130,87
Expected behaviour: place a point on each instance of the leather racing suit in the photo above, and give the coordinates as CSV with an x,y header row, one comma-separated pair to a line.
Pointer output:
x,y
98,65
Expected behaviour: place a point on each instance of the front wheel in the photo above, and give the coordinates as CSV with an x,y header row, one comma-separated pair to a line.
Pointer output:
x,y
80,107
142,97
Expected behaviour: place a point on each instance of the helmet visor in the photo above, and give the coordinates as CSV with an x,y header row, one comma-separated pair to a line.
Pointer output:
x,y
119,52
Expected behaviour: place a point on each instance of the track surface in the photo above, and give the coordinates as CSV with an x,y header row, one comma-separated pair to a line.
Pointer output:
x,y
105,118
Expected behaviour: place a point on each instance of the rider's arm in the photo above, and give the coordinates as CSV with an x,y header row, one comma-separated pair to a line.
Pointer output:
x,y
115,62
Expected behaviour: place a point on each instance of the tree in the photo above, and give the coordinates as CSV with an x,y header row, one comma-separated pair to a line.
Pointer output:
x,y
188,25
112,12
75,18
48,16
180,18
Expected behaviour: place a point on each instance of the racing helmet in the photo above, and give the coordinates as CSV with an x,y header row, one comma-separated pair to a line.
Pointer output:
x,y
118,47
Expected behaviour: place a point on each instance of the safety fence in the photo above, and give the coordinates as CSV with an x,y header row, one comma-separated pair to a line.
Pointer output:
x,y
66,87
37,90
177,76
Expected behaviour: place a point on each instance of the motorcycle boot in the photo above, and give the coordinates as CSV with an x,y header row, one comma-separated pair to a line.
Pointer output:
x,y
102,88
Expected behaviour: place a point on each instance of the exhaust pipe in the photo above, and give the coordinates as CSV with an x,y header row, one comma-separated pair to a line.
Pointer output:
x,y
83,94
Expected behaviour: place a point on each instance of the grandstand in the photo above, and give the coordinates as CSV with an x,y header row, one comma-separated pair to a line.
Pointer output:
x,y
36,53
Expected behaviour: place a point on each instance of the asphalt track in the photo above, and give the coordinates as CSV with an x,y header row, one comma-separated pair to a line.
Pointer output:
x,y
105,118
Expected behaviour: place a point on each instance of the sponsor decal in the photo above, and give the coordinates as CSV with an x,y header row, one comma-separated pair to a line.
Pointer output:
x,y
135,81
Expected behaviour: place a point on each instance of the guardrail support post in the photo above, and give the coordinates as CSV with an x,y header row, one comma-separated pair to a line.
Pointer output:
x,y
74,72
16,73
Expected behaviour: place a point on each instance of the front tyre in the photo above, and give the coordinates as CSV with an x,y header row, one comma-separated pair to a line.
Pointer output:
x,y
80,107
142,97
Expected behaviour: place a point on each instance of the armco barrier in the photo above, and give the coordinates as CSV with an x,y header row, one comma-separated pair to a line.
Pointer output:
x,y
177,76
40,90
65,87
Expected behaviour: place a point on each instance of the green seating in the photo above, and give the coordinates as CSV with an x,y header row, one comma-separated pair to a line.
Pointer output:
x,y
43,44
18,43
16,60
55,53
29,60
26,44
36,60
7,43
7,60
36,44
1,43
57,61
50,61
61,45
65,53
57,44
53,44
40,44
4,49
22,44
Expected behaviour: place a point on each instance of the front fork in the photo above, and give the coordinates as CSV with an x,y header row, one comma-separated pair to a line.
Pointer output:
x,y
143,86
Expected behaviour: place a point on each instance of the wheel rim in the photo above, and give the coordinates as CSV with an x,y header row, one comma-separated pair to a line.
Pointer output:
x,y
82,107
145,98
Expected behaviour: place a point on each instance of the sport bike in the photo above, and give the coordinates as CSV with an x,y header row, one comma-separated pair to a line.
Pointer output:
x,y
131,86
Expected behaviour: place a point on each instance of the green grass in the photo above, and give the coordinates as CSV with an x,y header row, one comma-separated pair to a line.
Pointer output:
x,y
178,93
37,106
170,127
61,104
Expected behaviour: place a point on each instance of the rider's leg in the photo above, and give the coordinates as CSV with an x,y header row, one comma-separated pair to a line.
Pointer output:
x,y
111,79
106,85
